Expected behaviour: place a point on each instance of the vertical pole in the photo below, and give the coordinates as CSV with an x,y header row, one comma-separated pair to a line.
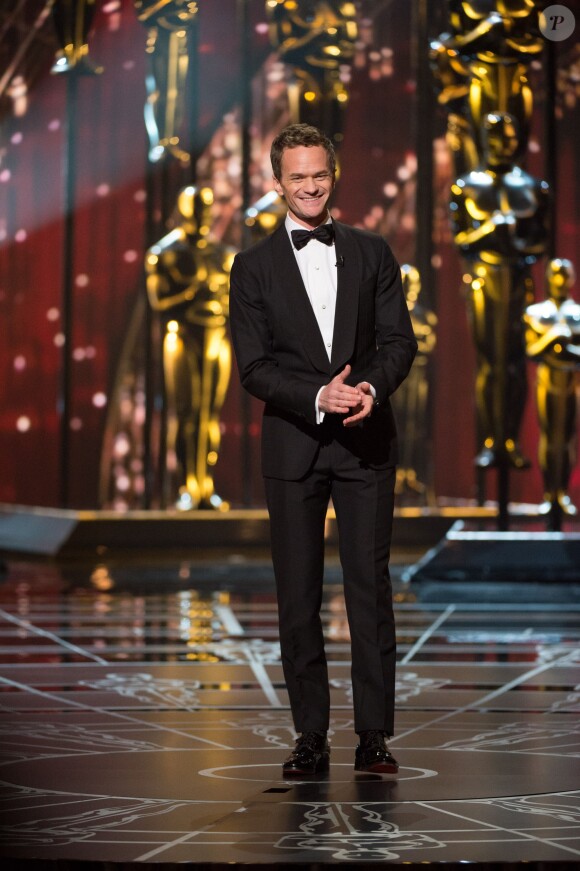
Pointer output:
x,y
246,107
423,138
551,140
554,519
193,89
65,392
503,487
424,199
149,361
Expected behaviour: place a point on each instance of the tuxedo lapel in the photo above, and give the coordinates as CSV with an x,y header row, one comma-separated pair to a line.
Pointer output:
x,y
295,298
345,318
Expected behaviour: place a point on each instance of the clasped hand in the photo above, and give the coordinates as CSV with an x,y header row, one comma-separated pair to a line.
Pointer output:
x,y
339,398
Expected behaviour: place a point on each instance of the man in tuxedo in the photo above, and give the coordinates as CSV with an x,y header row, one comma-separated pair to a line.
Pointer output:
x,y
322,335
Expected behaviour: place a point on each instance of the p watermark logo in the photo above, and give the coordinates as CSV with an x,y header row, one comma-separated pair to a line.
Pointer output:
x,y
557,22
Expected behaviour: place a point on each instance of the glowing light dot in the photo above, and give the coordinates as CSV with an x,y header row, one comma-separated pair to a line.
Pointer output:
x,y
23,424
140,196
5,175
54,124
21,235
261,27
103,190
403,173
122,446
123,483
129,65
52,314
79,354
390,189
130,256
82,280
90,352
20,363
59,340
76,424
99,400
16,138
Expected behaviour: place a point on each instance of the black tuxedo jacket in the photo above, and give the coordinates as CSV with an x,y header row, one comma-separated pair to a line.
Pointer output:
x,y
281,355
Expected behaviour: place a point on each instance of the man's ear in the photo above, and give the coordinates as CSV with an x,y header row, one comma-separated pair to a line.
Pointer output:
x,y
277,186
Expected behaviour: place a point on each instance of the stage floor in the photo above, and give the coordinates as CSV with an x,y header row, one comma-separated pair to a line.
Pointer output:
x,y
144,719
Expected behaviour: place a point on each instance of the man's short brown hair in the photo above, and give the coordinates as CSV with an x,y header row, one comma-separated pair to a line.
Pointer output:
x,y
300,134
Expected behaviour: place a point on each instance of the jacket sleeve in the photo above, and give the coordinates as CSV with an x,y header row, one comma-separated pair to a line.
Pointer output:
x,y
260,372
395,339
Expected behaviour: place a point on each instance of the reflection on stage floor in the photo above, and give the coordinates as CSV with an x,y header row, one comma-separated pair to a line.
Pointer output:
x,y
144,719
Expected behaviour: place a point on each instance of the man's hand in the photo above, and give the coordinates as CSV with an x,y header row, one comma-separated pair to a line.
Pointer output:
x,y
365,406
337,397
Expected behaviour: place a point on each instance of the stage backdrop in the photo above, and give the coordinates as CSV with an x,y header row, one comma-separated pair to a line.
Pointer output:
x,y
376,190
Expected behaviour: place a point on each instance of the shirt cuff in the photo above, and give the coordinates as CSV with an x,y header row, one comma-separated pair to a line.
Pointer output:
x,y
319,413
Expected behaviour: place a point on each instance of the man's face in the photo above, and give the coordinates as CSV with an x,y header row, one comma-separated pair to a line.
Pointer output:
x,y
306,183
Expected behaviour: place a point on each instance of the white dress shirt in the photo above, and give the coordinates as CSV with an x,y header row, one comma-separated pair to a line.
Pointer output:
x,y
317,264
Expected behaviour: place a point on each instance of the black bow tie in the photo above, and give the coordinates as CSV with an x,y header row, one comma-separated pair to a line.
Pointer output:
x,y
324,233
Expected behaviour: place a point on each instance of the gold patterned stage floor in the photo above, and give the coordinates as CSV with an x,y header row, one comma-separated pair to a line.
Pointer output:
x,y
143,719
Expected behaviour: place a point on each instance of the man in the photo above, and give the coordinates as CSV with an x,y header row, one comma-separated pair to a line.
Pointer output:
x,y
322,335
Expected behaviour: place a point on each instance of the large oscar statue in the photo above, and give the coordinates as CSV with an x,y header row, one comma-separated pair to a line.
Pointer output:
x,y
499,211
451,73
499,216
553,341
187,283
480,66
168,23
317,39
410,402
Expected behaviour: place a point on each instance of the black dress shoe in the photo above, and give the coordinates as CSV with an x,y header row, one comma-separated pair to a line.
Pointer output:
x,y
311,754
372,754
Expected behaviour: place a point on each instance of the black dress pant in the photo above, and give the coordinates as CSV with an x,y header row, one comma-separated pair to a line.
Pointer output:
x,y
363,500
